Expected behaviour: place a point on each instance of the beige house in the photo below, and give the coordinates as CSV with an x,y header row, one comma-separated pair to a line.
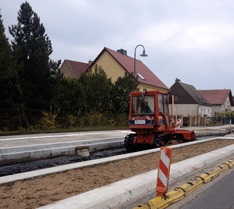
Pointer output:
x,y
116,63
73,69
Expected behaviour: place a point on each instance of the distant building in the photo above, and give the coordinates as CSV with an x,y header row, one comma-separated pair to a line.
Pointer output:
x,y
232,108
221,99
73,69
188,101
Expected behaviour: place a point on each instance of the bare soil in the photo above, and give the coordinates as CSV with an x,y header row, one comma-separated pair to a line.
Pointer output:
x,y
54,187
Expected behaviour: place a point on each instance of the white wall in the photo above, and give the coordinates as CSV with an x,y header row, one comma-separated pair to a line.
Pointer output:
x,y
222,108
205,110
191,109
227,105
217,108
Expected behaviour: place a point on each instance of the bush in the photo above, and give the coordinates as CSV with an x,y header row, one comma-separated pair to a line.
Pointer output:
x,y
48,122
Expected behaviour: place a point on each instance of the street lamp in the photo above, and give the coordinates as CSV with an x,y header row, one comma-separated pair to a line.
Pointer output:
x,y
143,55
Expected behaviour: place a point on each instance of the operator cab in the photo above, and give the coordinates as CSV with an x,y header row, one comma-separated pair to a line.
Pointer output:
x,y
149,109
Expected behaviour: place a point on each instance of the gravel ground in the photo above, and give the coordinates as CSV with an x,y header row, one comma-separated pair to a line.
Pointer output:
x,y
54,187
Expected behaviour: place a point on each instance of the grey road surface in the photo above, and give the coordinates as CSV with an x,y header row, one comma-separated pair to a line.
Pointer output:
x,y
35,139
217,194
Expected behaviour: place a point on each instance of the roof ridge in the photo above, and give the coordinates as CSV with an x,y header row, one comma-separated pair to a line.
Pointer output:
x,y
76,61
215,90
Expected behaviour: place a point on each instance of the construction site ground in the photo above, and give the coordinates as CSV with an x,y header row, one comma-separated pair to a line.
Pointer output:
x,y
54,187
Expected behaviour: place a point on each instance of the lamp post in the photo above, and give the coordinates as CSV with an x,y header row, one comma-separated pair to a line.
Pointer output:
x,y
143,55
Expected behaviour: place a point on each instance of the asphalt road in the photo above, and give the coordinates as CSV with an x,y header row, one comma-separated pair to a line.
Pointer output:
x,y
216,194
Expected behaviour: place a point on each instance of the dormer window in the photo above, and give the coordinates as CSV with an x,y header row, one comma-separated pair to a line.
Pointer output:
x,y
140,76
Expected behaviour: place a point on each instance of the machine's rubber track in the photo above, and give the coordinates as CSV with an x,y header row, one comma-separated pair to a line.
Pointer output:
x,y
128,142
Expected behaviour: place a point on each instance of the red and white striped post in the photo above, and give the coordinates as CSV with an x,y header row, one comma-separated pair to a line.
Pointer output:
x,y
178,123
163,171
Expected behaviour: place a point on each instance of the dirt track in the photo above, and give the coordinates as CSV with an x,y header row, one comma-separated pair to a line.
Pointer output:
x,y
54,187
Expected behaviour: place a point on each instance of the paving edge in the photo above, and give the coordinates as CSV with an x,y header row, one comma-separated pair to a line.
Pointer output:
x,y
112,195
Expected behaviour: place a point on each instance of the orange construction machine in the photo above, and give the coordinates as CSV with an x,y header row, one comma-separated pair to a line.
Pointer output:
x,y
150,119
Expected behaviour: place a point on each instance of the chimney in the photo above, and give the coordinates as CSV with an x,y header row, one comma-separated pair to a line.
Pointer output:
x,y
122,51
177,80
90,62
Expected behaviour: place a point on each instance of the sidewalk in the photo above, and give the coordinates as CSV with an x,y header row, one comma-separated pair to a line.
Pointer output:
x,y
202,128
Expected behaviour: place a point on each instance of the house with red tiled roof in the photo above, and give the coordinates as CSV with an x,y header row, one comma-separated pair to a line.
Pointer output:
x,y
116,63
221,99
232,108
73,69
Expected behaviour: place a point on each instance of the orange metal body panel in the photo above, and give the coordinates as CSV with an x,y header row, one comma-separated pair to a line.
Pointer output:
x,y
188,135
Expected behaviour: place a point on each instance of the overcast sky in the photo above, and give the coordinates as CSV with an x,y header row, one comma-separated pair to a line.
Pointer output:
x,y
186,39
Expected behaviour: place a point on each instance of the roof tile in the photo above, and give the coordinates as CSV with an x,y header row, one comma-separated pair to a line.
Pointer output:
x,y
216,97
78,67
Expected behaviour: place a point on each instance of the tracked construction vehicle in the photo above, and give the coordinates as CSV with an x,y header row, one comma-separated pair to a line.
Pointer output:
x,y
150,119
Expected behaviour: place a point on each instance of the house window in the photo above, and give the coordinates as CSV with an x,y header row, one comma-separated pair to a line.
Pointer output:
x,y
140,76
176,98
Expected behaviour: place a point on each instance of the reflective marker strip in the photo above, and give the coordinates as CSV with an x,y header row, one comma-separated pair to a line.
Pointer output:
x,y
162,177
165,159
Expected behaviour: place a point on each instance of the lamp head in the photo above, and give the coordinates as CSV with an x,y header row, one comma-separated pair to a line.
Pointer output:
x,y
144,54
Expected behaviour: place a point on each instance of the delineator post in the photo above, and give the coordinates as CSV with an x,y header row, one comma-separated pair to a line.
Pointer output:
x,y
163,171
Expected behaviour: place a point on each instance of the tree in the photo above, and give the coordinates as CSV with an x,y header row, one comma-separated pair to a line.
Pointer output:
x,y
73,98
59,83
10,91
97,88
120,94
33,47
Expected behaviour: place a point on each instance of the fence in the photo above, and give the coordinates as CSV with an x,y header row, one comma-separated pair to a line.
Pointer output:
x,y
203,121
